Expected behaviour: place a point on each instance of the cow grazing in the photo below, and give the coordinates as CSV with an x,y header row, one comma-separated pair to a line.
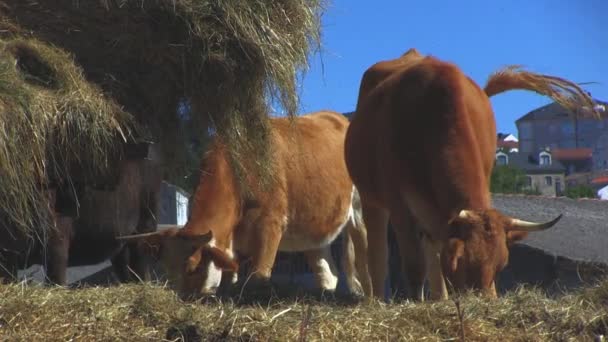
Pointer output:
x,y
85,233
420,150
307,205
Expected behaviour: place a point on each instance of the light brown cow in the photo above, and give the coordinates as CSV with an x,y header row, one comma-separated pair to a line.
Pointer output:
x,y
305,209
420,150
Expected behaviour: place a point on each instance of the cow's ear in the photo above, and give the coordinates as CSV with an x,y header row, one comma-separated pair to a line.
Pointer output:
x,y
454,251
150,243
193,263
220,258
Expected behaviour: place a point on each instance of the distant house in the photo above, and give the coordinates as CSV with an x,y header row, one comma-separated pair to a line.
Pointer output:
x,y
578,163
173,204
507,142
543,172
552,126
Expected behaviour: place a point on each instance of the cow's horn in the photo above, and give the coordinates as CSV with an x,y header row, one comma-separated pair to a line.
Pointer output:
x,y
464,213
517,224
201,239
138,236
165,230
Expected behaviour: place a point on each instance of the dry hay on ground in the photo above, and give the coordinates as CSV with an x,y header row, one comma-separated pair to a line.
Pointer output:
x,y
146,312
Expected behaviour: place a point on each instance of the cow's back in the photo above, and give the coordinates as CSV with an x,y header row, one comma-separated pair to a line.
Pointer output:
x,y
428,129
313,178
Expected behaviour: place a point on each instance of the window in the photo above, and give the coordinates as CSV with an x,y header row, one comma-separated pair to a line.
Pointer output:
x,y
501,159
544,158
548,180
529,181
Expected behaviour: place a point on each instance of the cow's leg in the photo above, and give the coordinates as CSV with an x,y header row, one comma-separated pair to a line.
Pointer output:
x,y
413,264
139,266
57,250
263,255
355,251
323,267
376,221
432,254
120,264
348,263
137,263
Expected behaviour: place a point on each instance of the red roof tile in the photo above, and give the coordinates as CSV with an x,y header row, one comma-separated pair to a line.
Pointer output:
x,y
572,153
507,144
600,180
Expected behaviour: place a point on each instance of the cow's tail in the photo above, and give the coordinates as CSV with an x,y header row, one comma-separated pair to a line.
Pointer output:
x,y
566,93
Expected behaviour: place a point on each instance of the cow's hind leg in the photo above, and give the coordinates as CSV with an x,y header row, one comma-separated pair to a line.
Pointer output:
x,y
324,268
348,264
57,250
355,256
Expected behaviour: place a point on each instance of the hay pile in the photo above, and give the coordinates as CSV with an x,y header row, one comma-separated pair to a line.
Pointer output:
x,y
227,60
178,67
150,313
52,124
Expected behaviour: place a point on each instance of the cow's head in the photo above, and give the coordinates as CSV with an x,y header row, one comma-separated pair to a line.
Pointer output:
x,y
193,263
478,247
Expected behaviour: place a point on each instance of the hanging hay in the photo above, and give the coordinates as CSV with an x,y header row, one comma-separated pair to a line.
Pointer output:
x,y
53,124
227,60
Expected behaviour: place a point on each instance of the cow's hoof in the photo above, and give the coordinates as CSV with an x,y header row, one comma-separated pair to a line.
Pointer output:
x,y
328,296
186,333
352,298
253,290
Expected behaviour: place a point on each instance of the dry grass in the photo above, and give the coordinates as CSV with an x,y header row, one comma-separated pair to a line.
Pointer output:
x,y
152,313
53,124
229,60
97,63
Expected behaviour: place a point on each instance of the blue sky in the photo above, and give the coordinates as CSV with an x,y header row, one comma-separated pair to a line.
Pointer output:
x,y
566,38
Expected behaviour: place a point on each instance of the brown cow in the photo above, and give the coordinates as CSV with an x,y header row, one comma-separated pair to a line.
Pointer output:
x,y
420,150
304,210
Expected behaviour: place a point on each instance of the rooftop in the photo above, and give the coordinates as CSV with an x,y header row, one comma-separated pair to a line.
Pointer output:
x,y
530,163
572,153
555,111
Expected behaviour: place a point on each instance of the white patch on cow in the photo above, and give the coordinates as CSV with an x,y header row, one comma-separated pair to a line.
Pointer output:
x,y
327,277
297,242
230,252
214,274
